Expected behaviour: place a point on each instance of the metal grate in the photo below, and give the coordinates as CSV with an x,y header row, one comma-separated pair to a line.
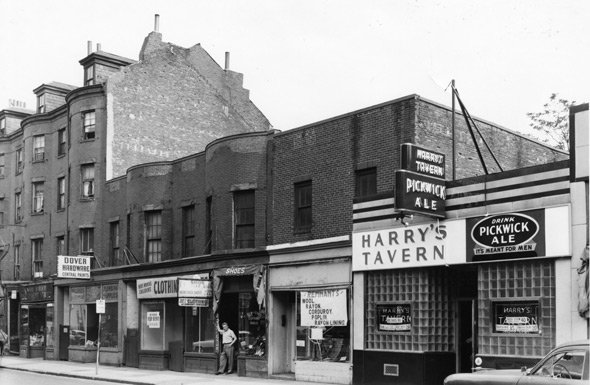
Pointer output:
x,y
391,370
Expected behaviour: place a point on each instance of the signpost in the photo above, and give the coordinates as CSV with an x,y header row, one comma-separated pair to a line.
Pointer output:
x,y
100,310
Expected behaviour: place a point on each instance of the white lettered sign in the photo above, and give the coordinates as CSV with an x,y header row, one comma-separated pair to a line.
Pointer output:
x,y
77,267
428,244
324,308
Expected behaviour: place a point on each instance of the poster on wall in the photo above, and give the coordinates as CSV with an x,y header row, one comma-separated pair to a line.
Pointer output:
x,y
516,317
324,308
395,317
506,236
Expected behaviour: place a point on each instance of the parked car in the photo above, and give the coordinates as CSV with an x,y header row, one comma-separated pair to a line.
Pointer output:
x,y
566,364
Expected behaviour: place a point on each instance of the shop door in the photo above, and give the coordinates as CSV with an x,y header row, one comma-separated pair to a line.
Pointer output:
x,y
466,338
64,341
283,333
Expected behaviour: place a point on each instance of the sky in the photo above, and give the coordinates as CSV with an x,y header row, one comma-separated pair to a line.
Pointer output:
x,y
308,60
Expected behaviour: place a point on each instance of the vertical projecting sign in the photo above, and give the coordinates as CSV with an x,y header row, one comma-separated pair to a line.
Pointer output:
x,y
420,186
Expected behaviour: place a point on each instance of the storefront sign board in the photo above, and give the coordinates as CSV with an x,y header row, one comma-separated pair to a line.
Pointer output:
x,y
323,308
423,161
162,287
429,244
526,234
77,267
37,293
193,302
194,288
419,194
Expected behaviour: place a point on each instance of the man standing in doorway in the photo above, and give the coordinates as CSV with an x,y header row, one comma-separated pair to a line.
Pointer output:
x,y
228,340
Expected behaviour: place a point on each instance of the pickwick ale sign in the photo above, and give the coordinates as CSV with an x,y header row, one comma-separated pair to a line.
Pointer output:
x,y
429,244
420,186
506,236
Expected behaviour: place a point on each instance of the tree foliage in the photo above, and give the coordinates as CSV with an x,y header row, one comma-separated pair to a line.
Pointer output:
x,y
552,124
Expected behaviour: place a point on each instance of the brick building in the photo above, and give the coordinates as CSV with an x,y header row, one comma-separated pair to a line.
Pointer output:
x,y
55,160
251,226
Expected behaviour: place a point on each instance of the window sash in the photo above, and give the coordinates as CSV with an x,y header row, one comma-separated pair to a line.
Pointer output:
x,y
61,193
366,182
41,104
18,207
303,202
36,248
188,231
38,197
61,142
89,75
89,125
87,240
88,181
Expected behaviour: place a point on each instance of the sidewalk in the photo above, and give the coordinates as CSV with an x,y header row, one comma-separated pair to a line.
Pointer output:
x,y
126,375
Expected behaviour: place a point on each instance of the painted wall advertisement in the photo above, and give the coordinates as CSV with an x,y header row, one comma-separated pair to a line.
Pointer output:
x,y
516,317
394,317
506,236
323,308
428,244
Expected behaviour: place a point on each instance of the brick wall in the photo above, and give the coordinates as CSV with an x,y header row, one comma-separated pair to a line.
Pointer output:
x,y
173,103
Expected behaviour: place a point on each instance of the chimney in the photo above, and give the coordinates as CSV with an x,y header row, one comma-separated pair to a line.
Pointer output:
x,y
98,48
157,23
89,47
227,61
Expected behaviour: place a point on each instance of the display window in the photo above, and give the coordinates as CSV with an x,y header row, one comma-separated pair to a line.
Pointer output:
x,y
85,322
161,323
200,330
252,326
33,325
323,327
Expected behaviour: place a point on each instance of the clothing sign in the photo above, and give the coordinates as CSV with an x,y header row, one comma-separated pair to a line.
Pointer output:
x,y
429,244
162,287
324,308
77,267
153,319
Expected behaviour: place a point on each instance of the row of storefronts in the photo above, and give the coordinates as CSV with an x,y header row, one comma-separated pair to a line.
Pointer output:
x,y
408,297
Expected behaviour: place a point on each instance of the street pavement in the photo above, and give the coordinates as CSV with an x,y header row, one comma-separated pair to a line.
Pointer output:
x,y
126,375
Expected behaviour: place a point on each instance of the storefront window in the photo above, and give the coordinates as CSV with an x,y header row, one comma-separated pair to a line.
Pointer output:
x,y
323,342
152,333
161,323
252,326
84,321
200,329
49,327
37,326
24,319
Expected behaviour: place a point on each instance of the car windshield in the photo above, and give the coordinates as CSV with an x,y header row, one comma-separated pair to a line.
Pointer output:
x,y
563,364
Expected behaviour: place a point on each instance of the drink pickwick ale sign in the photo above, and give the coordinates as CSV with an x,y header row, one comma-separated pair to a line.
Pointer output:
x,y
506,236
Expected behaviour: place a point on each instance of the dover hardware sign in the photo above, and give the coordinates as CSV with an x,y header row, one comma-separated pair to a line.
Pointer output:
x,y
77,267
